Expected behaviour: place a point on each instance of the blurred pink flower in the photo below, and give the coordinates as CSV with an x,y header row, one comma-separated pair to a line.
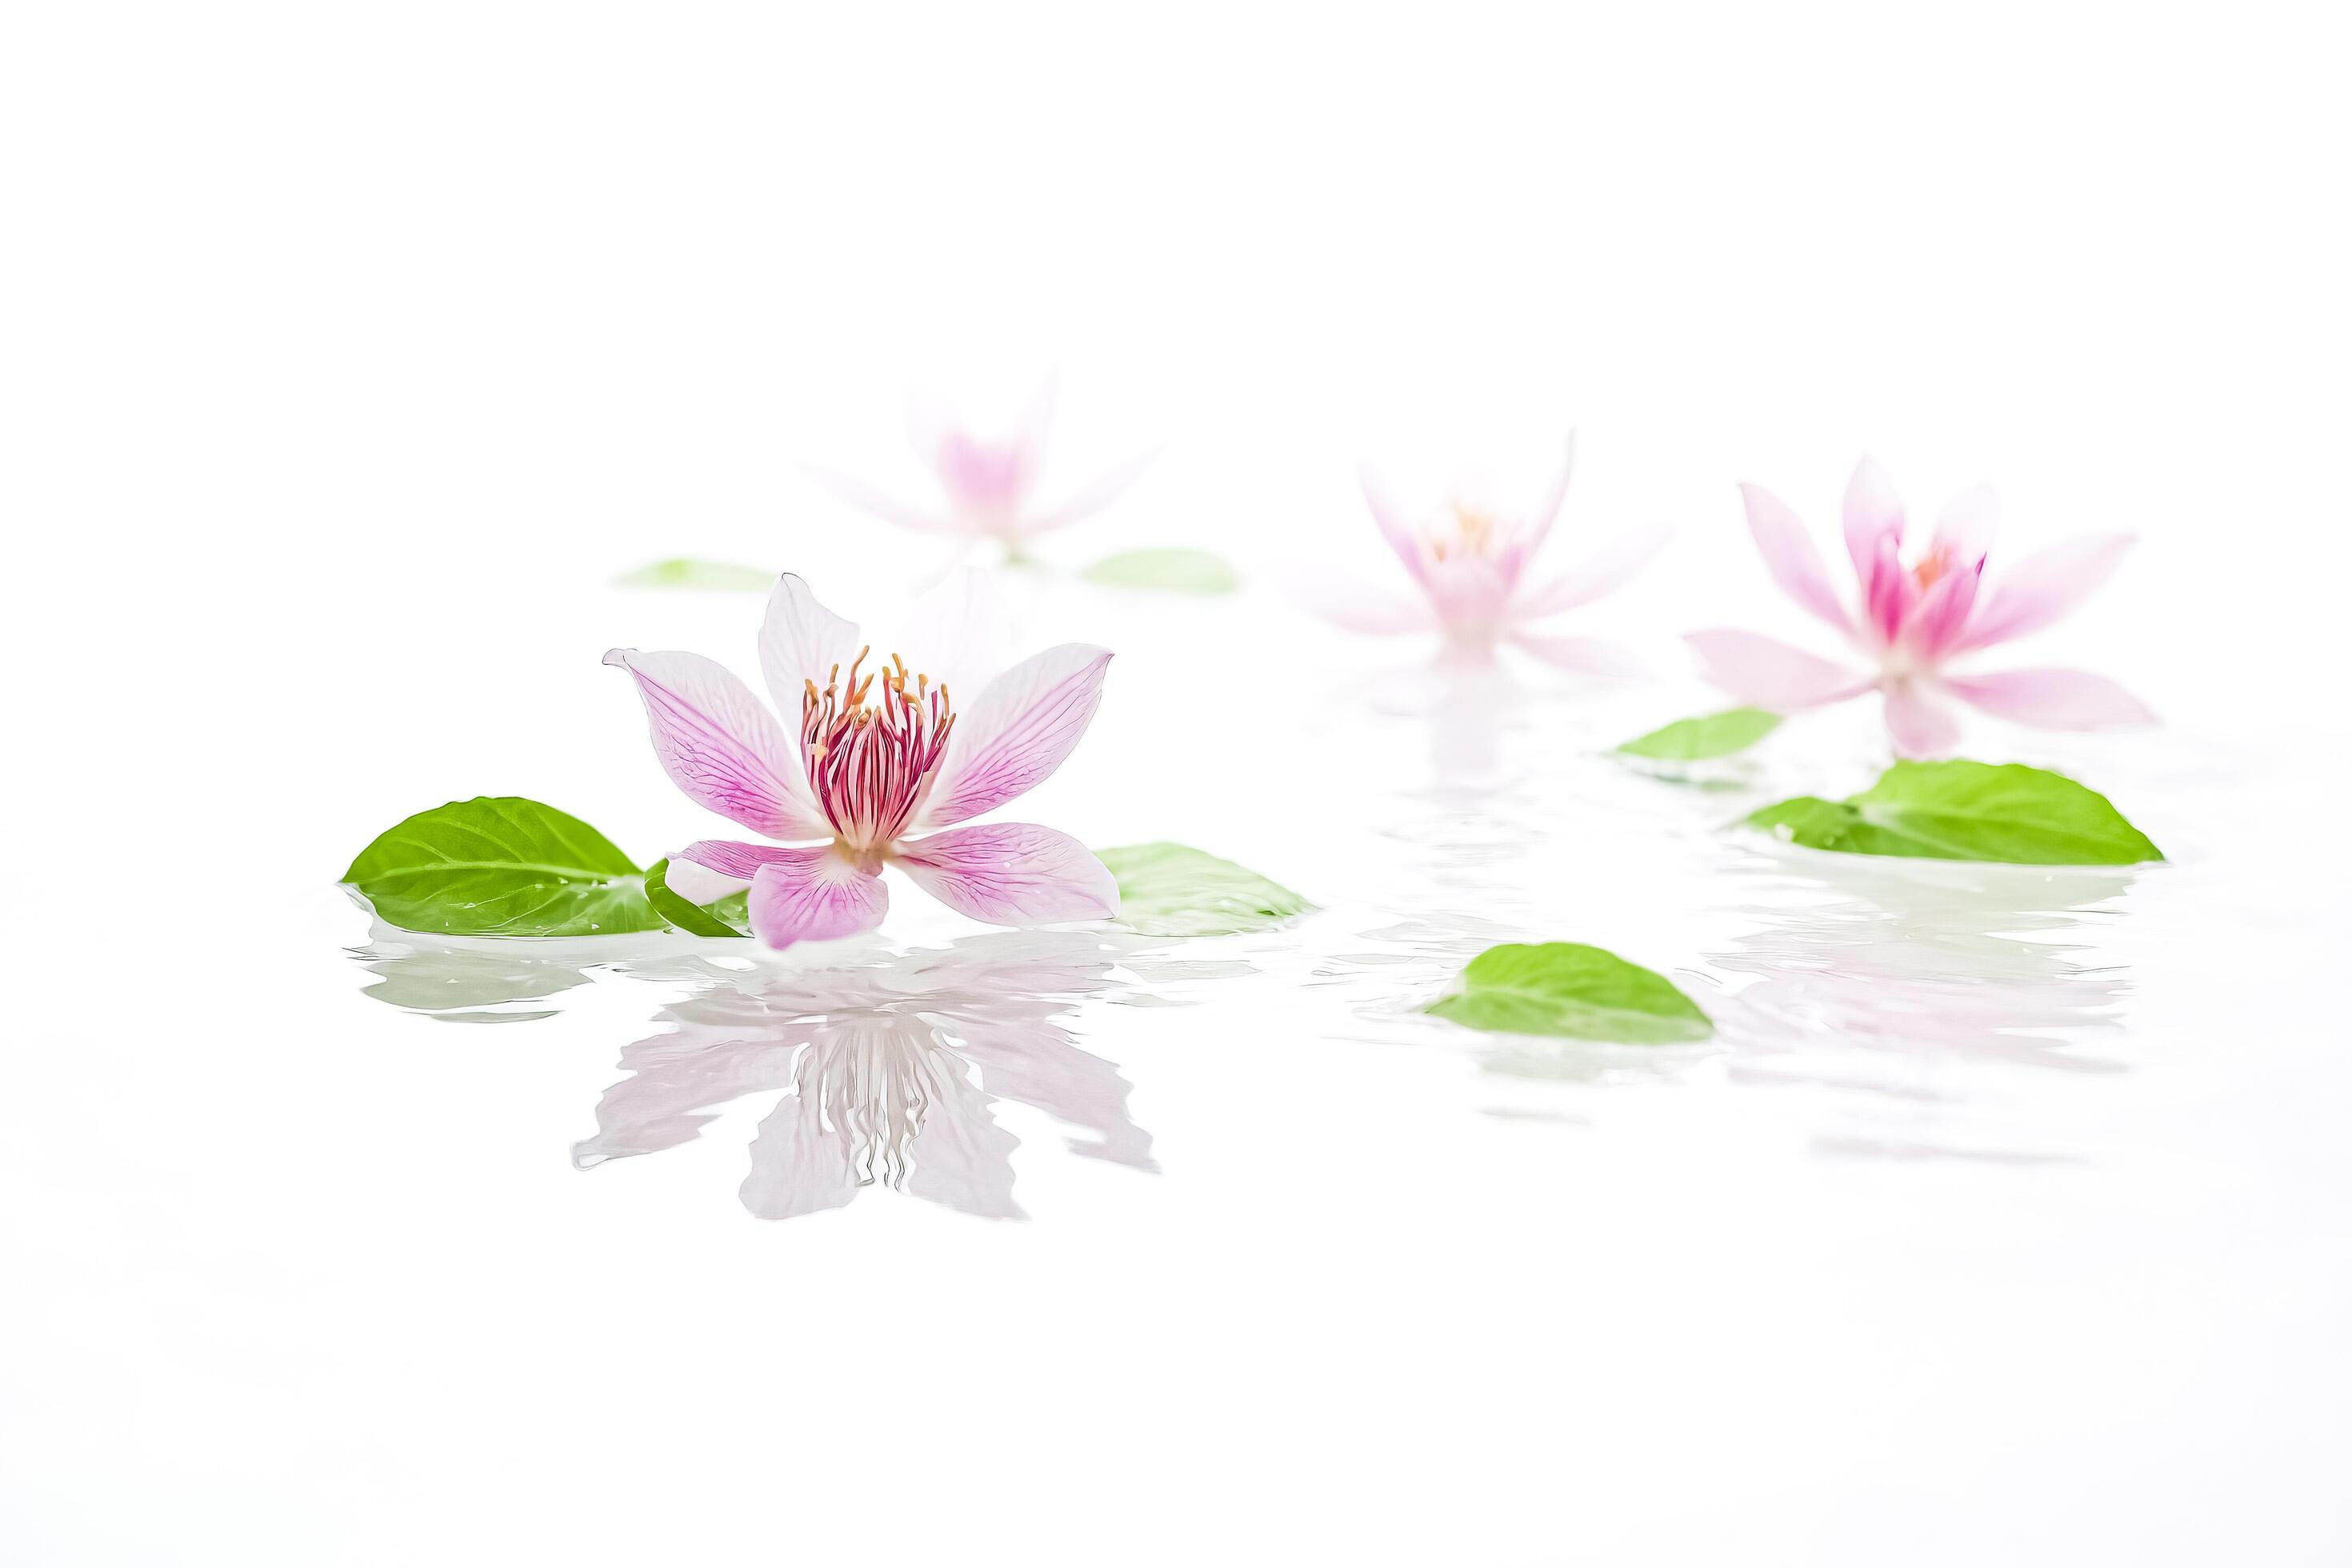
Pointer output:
x,y
879,756
988,485
1471,565
1916,617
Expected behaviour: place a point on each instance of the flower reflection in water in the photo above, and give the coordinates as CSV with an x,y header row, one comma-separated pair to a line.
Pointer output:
x,y
890,1074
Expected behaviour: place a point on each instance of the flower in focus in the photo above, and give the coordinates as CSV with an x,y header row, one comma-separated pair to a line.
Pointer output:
x,y
886,760
988,485
1917,616
1471,565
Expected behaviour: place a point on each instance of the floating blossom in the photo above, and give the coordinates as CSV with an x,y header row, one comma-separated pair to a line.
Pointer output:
x,y
1916,616
884,754
1471,566
988,485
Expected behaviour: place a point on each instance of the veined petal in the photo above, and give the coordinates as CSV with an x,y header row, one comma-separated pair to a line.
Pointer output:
x,y
711,868
1873,515
801,641
1765,672
1010,739
1918,725
2044,588
1964,529
1395,526
1359,608
1586,656
1011,874
814,895
720,745
1790,557
955,632
2053,699
1617,564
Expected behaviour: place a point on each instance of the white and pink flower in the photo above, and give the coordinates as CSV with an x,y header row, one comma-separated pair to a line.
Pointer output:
x,y
1916,616
988,484
1470,564
886,761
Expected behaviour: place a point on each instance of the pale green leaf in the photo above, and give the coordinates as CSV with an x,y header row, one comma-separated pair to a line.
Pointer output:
x,y
1165,572
1171,889
1570,989
1967,811
1698,740
715,575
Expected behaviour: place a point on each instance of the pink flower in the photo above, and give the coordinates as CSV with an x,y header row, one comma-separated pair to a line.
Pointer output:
x,y
1917,616
988,485
1471,565
882,754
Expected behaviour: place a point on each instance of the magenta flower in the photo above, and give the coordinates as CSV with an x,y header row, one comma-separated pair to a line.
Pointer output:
x,y
988,485
1470,564
1916,617
884,754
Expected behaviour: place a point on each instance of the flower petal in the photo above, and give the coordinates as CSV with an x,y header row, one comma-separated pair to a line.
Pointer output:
x,y
1586,656
1617,564
1919,726
1009,740
1538,522
1888,592
801,641
1790,557
955,631
720,745
2044,588
1766,672
1936,621
814,895
1964,529
1395,526
1090,498
879,503
1359,608
1011,874
1873,515
2053,699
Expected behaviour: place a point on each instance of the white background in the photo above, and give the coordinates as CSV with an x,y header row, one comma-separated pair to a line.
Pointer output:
x,y
348,352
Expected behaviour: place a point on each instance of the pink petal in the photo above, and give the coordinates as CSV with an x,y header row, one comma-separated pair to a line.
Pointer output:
x,y
1618,562
1394,527
1586,656
1766,672
1011,874
1090,498
801,641
2044,588
955,631
1538,522
1888,592
1351,604
1920,727
814,895
2053,699
1790,557
720,745
1013,738
1964,529
1874,516
1936,620
877,503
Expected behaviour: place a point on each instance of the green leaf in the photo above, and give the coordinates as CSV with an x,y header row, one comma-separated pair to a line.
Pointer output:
x,y
1967,811
730,916
1165,572
501,866
682,573
1171,889
1697,740
1568,988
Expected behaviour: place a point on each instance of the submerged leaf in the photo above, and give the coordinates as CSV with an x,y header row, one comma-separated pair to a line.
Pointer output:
x,y
501,866
2007,813
684,572
1711,735
1568,988
1171,889
730,916
1166,571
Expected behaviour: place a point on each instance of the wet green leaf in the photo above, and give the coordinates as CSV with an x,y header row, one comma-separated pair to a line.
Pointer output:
x,y
1570,989
730,916
501,866
1171,889
1697,740
2006,813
